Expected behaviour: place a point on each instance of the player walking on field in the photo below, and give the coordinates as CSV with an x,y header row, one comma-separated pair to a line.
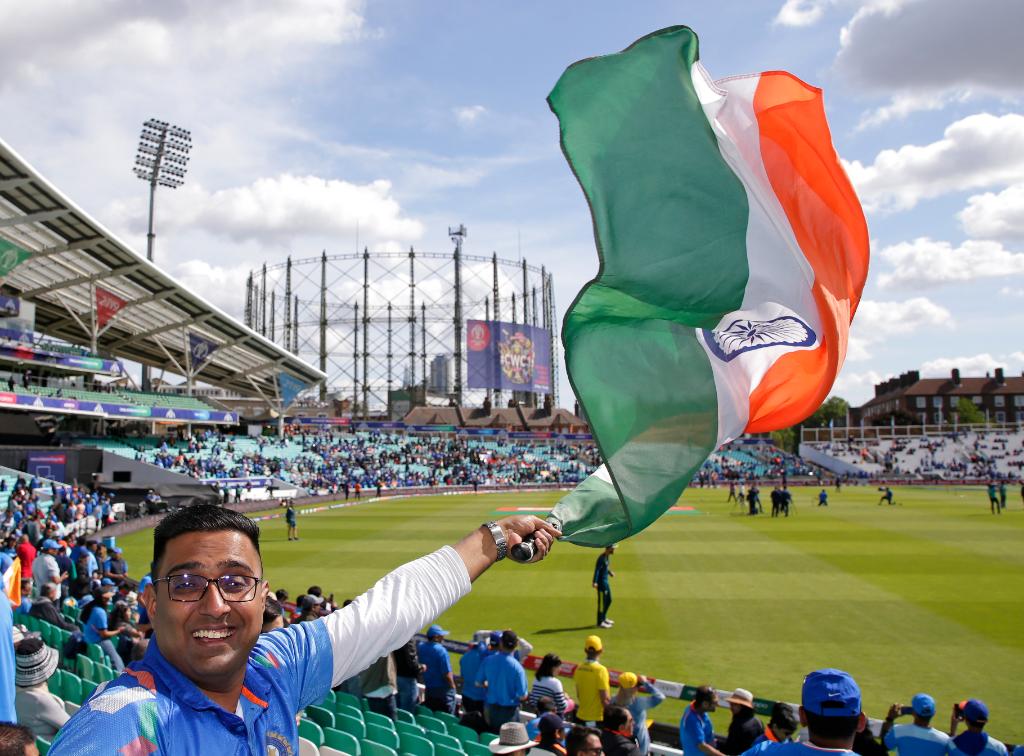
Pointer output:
x,y
602,574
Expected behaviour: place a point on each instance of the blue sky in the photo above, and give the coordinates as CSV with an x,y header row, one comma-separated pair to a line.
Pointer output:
x,y
403,117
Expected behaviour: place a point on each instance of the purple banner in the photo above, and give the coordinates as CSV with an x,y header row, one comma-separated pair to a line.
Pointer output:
x,y
507,356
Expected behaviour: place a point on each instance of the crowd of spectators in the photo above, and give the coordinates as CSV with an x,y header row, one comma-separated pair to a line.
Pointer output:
x,y
748,462
36,509
330,463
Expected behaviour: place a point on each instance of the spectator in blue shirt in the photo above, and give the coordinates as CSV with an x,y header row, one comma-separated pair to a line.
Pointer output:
x,y
974,741
696,735
7,712
630,685
438,680
831,711
918,738
469,666
505,681
95,626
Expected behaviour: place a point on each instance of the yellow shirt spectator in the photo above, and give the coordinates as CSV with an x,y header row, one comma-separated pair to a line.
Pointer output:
x,y
591,681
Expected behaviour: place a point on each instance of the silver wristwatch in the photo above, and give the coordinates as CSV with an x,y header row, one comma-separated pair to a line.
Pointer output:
x,y
499,538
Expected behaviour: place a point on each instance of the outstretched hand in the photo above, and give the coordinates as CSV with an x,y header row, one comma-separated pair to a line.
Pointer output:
x,y
518,527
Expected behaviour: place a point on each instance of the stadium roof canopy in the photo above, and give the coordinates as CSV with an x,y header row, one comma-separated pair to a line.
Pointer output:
x,y
73,253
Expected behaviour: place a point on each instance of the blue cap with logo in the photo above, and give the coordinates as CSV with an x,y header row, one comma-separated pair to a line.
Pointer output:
x,y
49,543
495,638
923,705
435,630
831,693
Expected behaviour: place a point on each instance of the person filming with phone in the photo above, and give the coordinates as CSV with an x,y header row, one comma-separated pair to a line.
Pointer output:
x,y
916,738
973,741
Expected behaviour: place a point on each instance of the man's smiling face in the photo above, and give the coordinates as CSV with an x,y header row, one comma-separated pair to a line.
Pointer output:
x,y
208,640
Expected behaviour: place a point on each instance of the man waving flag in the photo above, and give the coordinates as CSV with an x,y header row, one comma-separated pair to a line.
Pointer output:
x,y
733,255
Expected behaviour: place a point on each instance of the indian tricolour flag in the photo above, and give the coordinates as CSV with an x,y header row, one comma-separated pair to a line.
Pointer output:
x,y
733,254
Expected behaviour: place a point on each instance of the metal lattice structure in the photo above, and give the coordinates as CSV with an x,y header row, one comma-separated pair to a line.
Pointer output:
x,y
374,321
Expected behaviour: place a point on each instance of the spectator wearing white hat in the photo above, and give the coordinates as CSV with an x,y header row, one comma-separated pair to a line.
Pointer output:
x,y
38,709
630,686
744,728
917,738
512,740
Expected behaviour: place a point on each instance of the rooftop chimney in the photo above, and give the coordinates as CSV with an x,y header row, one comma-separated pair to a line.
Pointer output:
x,y
1000,380
956,376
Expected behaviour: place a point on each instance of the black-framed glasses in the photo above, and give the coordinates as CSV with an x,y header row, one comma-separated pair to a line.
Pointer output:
x,y
190,588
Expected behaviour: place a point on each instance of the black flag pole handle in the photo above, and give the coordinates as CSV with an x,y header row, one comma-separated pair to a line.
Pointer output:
x,y
525,552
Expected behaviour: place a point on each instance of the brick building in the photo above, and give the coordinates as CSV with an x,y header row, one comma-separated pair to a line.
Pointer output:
x,y
931,401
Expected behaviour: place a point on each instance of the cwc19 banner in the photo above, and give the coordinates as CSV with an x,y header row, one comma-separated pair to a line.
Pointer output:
x,y
508,356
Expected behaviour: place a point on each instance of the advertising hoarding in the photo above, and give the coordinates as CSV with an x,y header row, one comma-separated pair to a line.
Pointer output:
x,y
507,356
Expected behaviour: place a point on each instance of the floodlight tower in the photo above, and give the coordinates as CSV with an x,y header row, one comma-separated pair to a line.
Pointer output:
x,y
162,159
458,235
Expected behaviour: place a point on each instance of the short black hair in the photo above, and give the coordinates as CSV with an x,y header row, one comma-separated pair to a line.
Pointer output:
x,y
272,610
785,715
705,694
546,704
14,739
615,717
200,518
578,737
832,727
509,640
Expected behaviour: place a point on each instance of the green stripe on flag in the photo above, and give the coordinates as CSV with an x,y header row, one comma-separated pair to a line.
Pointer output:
x,y
670,220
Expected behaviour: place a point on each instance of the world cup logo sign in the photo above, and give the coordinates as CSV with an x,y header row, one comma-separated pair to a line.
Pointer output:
x,y
516,356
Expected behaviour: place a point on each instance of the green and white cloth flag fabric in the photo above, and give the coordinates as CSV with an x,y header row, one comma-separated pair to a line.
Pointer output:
x,y
11,256
733,255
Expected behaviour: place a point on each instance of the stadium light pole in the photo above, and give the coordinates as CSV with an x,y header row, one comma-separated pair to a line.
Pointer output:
x,y
161,160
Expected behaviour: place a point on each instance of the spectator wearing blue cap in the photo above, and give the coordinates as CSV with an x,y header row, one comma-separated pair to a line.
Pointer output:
x,y
831,711
45,568
437,675
504,679
469,666
974,741
918,738
116,568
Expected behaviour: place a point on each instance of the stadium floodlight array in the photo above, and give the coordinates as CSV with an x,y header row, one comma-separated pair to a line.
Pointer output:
x,y
162,159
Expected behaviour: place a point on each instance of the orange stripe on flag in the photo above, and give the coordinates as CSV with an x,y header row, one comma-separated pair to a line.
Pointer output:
x,y
829,225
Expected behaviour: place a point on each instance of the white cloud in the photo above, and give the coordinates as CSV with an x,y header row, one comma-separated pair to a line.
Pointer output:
x,y
977,364
282,209
926,262
978,151
221,285
915,46
469,114
801,12
902,105
1010,291
857,387
878,322
995,216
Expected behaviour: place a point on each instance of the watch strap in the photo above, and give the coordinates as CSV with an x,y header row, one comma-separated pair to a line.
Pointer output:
x,y
499,538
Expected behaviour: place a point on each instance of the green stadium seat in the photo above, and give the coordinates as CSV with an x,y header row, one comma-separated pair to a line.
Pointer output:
x,y
431,724
475,749
448,719
351,725
328,701
405,728
440,750
425,711
54,683
341,696
28,621
88,686
341,741
448,741
463,733
383,735
372,717
84,667
369,748
94,652
311,731
43,745
351,711
414,745
487,737
405,716
323,717
71,687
